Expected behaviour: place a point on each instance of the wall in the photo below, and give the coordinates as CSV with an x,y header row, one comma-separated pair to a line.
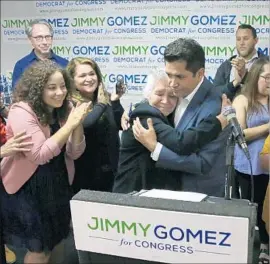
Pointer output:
x,y
128,37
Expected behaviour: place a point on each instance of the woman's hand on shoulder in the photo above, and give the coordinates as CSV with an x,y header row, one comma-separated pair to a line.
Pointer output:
x,y
16,144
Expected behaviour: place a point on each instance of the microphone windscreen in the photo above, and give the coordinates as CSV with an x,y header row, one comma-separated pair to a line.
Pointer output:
x,y
228,111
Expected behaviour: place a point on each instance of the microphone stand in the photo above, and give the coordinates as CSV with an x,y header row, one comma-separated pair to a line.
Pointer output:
x,y
230,166
230,186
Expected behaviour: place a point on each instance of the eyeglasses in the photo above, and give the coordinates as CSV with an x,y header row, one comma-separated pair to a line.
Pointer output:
x,y
267,78
40,38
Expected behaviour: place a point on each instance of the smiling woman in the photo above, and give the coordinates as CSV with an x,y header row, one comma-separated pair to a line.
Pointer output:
x,y
96,168
54,97
36,189
252,112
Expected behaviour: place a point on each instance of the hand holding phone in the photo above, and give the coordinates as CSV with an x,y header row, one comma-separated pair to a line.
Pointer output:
x,y
120,87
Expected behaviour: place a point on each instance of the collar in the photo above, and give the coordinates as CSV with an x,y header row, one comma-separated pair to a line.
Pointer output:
x,y
32,56
255,56
191,95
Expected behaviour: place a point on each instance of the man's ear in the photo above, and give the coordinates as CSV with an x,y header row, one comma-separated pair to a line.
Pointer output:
x,y
201,72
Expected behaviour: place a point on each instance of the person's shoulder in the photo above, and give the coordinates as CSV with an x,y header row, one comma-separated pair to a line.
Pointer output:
x,y
226,63
141,108
211,92
24,60
240,101
241,98
144,109
60,60
19,108
22,112
212,99
207,83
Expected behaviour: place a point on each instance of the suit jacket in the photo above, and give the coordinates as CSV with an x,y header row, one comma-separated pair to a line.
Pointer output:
x,y
222,81
18,169
137,170
204,170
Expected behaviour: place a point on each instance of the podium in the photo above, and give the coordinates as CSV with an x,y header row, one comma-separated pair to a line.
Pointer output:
x,y
122,228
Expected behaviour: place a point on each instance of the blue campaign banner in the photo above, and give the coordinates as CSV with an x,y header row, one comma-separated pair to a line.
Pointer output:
x,y
128,37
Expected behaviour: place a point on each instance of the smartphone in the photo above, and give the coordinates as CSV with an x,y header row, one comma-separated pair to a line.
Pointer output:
x,y
120,86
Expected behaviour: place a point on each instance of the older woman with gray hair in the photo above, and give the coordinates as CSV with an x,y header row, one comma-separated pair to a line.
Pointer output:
x,y
40,34
136,169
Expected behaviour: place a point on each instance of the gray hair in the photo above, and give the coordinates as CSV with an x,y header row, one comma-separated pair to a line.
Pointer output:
x,y
29,28
154,77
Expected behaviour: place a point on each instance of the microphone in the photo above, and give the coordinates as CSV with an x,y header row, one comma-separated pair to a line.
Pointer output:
x,y
230,114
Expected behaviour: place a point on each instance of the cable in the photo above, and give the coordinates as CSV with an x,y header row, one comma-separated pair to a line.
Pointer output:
x,y
252,181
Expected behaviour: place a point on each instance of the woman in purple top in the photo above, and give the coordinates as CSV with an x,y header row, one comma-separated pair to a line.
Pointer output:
x,y
253,115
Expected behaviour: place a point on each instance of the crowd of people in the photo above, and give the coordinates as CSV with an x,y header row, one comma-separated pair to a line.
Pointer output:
x,y
61,135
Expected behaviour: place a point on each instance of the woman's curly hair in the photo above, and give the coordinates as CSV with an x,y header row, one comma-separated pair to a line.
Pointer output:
x,y
30,89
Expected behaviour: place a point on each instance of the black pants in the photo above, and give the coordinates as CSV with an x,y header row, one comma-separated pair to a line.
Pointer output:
x,y
2,247
260,186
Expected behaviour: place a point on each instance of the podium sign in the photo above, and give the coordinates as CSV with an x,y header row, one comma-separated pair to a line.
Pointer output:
x,y
158,235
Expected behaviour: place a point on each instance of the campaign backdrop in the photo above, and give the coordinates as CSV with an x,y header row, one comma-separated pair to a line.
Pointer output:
x,y
128,37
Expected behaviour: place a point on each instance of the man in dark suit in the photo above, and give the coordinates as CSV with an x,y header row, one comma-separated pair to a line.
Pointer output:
x,y
232,73
136,169
204,170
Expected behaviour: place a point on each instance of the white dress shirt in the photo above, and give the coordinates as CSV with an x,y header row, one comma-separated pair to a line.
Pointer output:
x,y
178,114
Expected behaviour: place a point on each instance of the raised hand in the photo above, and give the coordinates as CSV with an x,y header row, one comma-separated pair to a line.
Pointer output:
x,y
225,103
239,66
146,137
120,89
78,114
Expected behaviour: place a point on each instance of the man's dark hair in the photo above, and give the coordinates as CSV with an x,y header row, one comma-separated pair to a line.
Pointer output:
x,y
251,28
188,50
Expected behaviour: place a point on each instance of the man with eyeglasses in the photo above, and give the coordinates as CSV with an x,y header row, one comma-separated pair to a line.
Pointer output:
x,y
267,78
40,34
231,74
